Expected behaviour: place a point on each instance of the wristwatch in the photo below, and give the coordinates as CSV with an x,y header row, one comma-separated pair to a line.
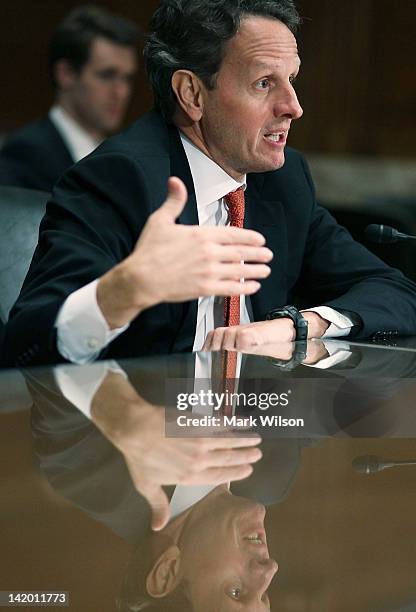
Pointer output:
x,y
290,312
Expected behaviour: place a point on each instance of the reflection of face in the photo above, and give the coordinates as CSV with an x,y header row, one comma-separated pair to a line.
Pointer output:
x,y
224,556
101,91
247,116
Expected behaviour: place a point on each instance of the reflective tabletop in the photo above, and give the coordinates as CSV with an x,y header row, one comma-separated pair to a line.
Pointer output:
x,y
159,484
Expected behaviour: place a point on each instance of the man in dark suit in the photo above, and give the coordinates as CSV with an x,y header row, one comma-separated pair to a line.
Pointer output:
x,y
225,102
92,62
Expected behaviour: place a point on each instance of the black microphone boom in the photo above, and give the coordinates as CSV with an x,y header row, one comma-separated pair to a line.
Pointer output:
x,y
370,464
384,234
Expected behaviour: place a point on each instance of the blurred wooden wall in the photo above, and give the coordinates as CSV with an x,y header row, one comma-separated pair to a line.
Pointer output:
x,y
357,86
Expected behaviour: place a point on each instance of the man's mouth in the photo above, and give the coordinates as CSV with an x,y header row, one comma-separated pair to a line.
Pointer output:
x,y
276,137
255,538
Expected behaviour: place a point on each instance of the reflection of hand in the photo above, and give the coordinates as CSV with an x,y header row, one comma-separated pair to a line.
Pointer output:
x,y
176,263
316,351
247,337
284,351
137,429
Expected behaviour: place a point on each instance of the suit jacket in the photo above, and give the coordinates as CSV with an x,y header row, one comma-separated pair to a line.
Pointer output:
x,y
101,204
34,157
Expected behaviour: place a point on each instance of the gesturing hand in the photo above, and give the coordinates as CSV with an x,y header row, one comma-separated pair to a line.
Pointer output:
x,y
175,263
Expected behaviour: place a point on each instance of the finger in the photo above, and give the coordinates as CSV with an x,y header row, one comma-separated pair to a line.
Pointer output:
x,y
235,439
227,458
233,287
159,505
208,342
216,339
229,338
175,201
224,288
240,252
216,476
235,271
235,235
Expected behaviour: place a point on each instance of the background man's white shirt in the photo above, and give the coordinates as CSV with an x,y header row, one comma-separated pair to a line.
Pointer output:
x,y
78,142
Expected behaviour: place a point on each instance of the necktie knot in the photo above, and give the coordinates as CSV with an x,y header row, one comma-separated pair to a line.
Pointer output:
x,y
235,205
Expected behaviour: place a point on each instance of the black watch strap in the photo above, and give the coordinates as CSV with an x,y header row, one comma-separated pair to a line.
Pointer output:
x,y
300,323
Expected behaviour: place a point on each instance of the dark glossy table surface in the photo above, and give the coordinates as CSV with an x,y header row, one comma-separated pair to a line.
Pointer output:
x,y
335,492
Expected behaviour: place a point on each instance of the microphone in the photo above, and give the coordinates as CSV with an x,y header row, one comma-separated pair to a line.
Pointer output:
x,y
370,464
384,234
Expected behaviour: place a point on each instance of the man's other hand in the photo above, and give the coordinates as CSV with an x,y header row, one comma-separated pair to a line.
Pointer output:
x,y
246,337
176,263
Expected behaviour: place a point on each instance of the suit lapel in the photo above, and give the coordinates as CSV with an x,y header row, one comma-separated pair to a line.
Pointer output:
x,y
62,158
187,313
180,167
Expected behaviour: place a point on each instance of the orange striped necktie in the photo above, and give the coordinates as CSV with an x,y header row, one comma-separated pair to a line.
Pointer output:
x,y
235,204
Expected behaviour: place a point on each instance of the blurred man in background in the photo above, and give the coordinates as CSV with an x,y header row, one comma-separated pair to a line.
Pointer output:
x,y
92,64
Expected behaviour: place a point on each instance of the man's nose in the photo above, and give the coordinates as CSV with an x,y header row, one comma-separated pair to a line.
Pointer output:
x,y
121,89
264,569
288,105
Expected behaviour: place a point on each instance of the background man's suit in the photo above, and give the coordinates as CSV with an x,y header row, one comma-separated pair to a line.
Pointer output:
x,y
100,206
34,157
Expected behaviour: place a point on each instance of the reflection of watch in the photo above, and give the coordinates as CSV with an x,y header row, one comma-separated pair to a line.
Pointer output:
x,y
299,354
290,312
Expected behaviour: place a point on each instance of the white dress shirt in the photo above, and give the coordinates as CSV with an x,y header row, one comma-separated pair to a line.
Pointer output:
x,y
82,331
78,142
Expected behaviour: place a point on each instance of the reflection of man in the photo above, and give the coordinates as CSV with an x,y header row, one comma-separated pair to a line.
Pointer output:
x,y
223,86
214,556
92,61
214,549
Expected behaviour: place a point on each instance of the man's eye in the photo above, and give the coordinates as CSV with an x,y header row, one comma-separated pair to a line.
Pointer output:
x,y
235,593
263,84
106,75
292,79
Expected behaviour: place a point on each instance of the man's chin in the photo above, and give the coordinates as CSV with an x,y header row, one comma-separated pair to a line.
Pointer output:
x,y
279,162
112,125
269,165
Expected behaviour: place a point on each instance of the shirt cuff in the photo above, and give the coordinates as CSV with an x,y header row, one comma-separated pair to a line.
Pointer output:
x,y
82,331
340,325
79,385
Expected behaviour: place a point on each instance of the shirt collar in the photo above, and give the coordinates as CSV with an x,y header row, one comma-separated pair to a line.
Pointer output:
x,y
77,140
211,182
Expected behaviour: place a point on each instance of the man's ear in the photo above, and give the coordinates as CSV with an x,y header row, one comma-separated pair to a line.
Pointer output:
x,y
163,578
65,75
188,89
